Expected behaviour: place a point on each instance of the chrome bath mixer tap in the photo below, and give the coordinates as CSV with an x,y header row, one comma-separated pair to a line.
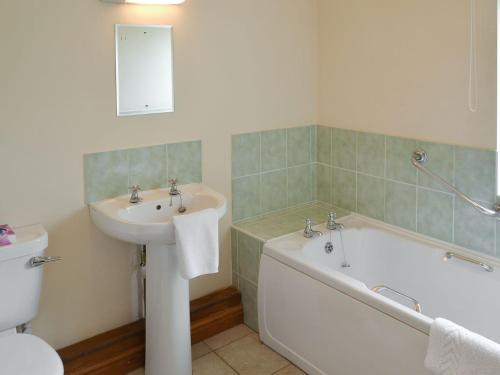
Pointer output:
x,y
309,232
331,224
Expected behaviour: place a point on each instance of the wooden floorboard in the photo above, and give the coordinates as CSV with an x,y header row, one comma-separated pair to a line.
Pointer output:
x,y
122,350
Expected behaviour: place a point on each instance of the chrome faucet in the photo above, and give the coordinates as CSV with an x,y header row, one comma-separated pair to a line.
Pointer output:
x,y
134,198
331,224
174,190
309,232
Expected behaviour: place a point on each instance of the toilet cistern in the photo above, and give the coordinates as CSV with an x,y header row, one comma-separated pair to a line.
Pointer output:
x,y
21,273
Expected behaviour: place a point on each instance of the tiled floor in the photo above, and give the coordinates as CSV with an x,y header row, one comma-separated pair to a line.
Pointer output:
x,y
237,351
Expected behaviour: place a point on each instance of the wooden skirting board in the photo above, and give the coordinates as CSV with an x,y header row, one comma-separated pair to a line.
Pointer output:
x,y
122,350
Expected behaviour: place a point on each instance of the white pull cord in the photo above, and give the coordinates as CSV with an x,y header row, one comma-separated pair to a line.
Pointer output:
x,y
473,94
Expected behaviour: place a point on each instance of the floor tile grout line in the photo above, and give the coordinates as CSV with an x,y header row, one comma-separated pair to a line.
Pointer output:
x,y
204,355
260,343
290,364
214,351
224,361
232,341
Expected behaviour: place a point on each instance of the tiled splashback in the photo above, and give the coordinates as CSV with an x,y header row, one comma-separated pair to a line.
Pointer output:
x,y
370,174
272,170
108,174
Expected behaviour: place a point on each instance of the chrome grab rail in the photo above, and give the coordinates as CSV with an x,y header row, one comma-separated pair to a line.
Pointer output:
x,y
381,288
484,266
419,158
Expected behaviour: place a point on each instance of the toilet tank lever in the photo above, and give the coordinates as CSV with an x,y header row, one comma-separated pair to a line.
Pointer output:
x,y
40,261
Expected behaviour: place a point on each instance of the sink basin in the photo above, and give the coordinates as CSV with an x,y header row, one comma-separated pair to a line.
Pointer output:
x,y
151,220
168,333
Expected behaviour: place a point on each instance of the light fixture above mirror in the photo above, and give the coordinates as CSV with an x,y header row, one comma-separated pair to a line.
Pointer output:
x,y
146,2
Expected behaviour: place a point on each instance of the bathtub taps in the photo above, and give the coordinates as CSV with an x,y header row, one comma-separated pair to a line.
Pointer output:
x,y
331,224
309,232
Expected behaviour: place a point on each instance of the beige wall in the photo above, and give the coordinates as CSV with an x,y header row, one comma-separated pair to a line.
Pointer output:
x,y
240,65
401,68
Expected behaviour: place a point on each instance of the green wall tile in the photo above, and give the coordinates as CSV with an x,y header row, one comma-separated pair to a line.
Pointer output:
x,y
314,143
148,167
344,149
248,257
245,154
317,214
371,154
273,225
314,180
234,249
435,214
249,301
246,197
401,205
474,230
324,145
299,185
475,172
184,162
440,161
274,189
370,196
323,185
273,150
290,223
299,146
344,189
385,187
106,175
399,152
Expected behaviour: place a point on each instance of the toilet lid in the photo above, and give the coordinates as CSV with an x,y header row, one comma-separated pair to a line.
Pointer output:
x,y
22,354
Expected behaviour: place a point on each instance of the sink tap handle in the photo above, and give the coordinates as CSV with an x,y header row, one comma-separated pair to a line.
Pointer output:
x,y
173,186
134,198
331,224
309,232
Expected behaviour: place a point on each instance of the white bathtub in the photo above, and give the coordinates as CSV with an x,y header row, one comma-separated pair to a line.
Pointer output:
x,y
326,319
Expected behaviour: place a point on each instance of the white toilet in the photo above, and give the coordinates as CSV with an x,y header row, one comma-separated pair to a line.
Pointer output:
x,y
21,270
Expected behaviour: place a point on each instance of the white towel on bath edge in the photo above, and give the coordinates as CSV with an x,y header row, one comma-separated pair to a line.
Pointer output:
x,y
454,350
197,239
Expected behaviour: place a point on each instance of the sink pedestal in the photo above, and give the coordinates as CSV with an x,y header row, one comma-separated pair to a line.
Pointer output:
x,y
168,326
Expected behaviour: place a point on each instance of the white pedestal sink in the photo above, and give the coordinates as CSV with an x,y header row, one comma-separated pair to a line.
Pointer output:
x,y
168,338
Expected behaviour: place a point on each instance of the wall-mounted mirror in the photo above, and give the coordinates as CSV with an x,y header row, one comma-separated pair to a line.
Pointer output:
x,y
144,69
